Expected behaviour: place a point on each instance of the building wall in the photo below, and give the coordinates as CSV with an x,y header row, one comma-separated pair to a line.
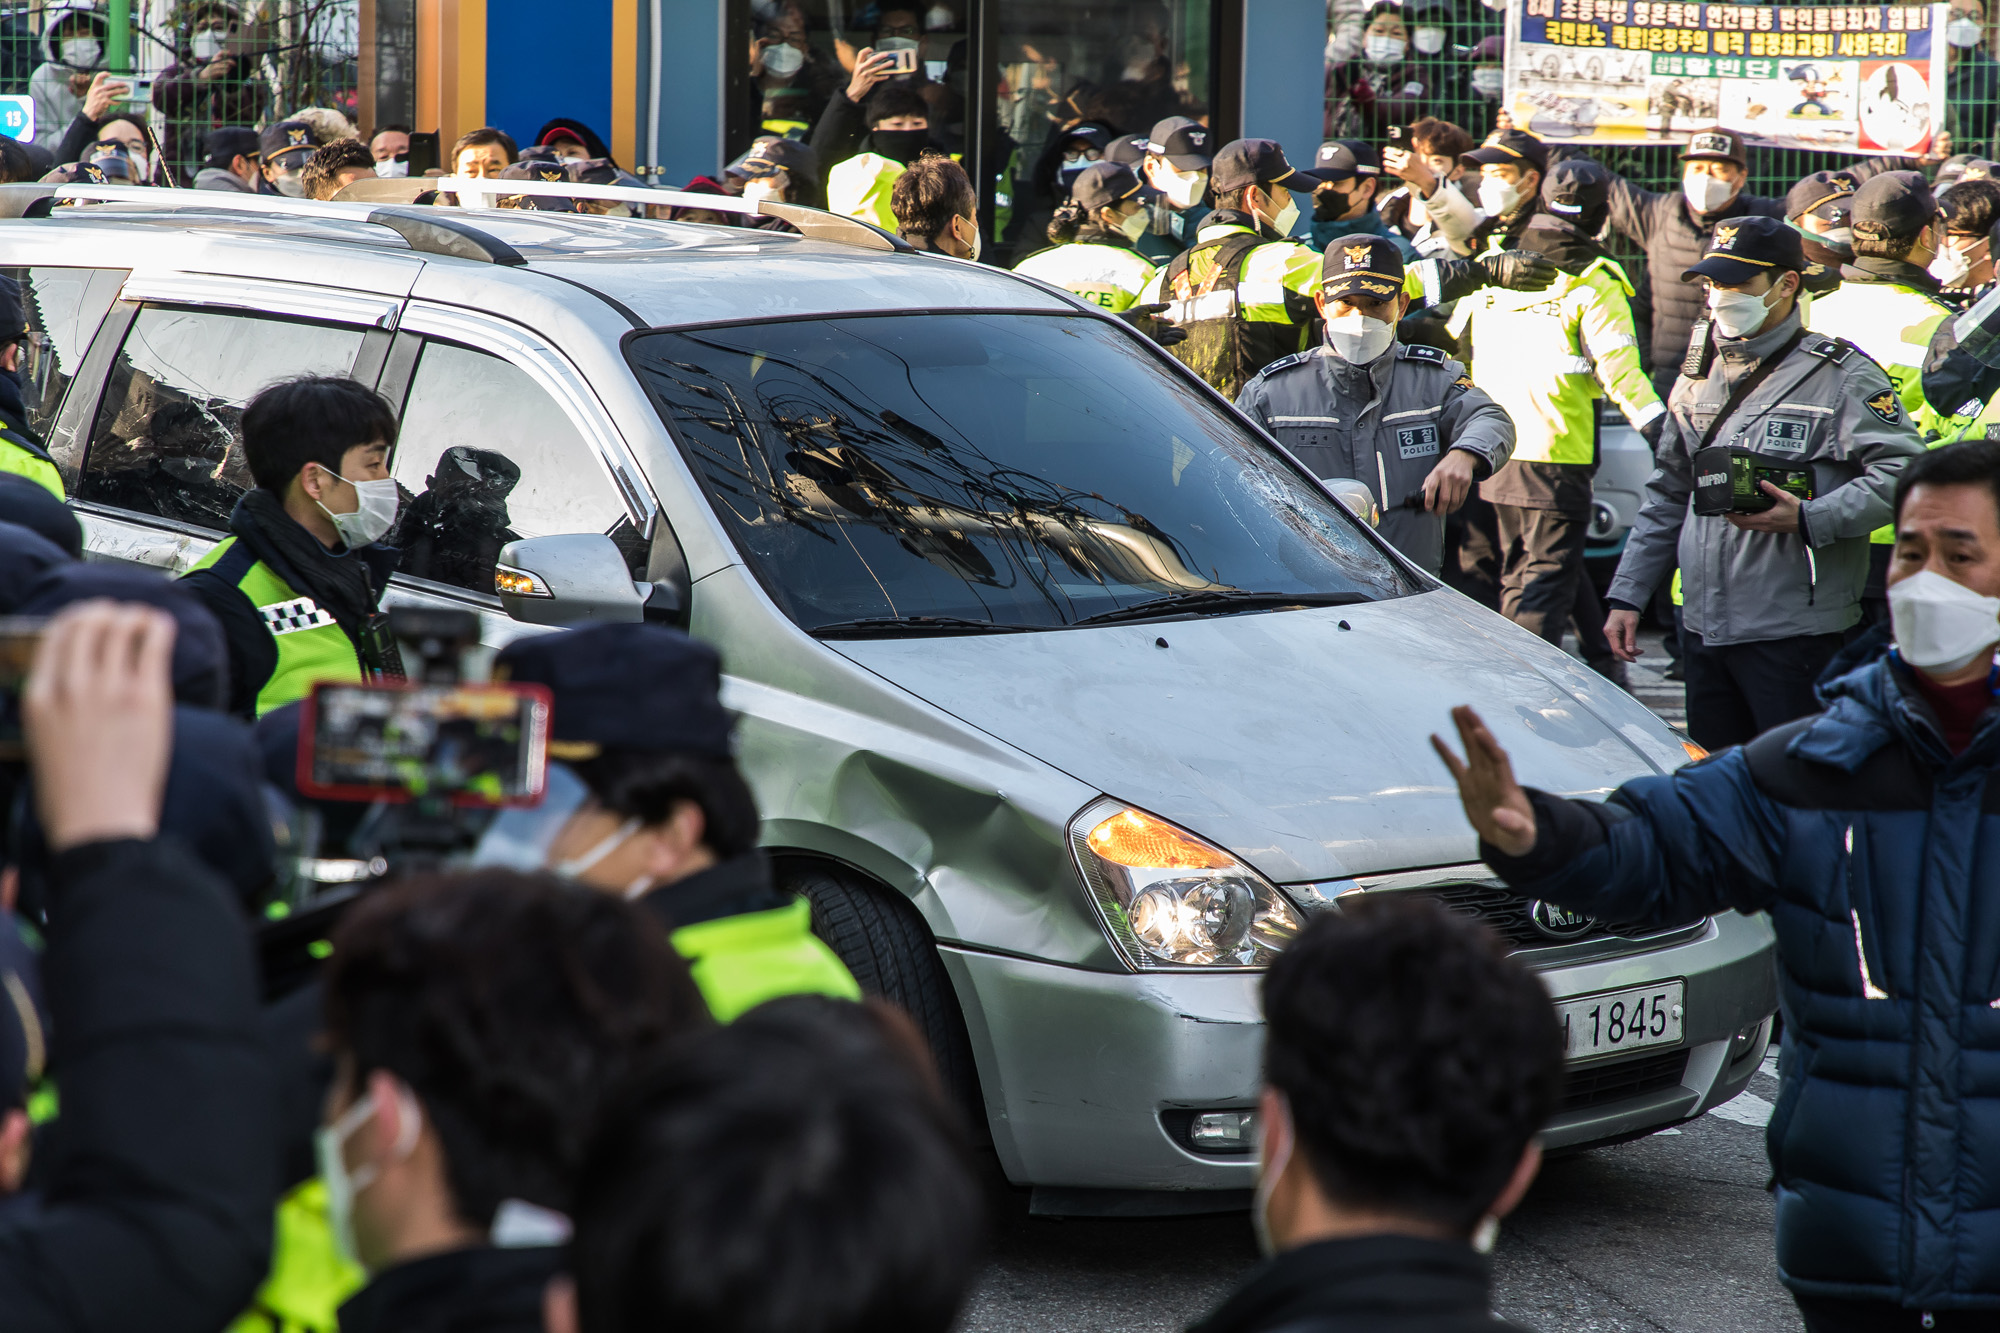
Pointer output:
x,y
1284,74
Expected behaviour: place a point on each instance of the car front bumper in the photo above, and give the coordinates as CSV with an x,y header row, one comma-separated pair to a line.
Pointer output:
x,y
1078,1067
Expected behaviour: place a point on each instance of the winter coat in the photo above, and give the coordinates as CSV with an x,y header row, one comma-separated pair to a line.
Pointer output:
x,y
1370,1284
55,105
1875,851
190,107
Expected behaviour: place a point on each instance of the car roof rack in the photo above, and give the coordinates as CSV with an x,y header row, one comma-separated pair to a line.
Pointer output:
x,y
443,231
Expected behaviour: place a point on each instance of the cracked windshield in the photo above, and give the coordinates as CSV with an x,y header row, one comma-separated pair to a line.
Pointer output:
x,y
975,471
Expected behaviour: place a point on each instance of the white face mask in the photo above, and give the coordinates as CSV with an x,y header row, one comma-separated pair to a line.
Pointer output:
x,y
1357,339
290,185
1951,266
1942,626
1487,81
1430,41
1134,227
343,1187
1962,33
373,516
1276,1151
1738,314
1183,189
81,52
1287,217
393,168
1497,197
1839,236
207,44
1383,50
1707,193
783,60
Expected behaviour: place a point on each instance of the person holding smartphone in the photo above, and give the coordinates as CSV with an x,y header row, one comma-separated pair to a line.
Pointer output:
x,y
213,83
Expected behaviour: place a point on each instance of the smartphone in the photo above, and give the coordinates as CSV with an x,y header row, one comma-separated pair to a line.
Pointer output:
x,y
476,745
424,152
903,62
1397,136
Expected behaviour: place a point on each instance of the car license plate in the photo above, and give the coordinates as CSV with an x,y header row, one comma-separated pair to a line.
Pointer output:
x,y
1622,1020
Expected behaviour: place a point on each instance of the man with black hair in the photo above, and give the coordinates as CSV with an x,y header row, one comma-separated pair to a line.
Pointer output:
x,y
1409,1064
297,582
799,1169
21,450
1964,263
477,1023
935,207
859,184
1868,834
234,153
646,801
335,166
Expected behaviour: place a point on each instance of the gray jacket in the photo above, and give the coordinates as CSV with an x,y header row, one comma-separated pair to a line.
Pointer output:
x,y
1745,587
1387,424
221,178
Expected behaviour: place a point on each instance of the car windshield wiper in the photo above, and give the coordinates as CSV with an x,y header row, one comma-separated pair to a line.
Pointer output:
x,y
893,626
1219,601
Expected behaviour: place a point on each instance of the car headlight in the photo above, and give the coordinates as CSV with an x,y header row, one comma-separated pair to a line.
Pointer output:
x,y
1172,900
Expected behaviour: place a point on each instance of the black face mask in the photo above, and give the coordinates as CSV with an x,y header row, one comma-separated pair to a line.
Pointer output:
x,y
900,145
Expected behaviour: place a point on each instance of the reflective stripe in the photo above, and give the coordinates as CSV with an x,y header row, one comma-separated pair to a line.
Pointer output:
x,y
1414,412
1214,305
1613,343
1261,293
1804,407
1571,365
1308,421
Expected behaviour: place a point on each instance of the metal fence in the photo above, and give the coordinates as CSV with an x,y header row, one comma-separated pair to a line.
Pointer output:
x,y
192,65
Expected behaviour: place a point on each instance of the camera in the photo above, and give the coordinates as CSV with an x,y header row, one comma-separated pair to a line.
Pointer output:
x,y
1728,480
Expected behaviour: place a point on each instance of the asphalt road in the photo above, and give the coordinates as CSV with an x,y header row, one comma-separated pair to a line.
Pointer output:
x,y
1668,1234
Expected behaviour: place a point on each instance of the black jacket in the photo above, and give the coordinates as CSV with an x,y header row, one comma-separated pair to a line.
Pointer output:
x,y
159,1184
730,888
480,1290
1374,1284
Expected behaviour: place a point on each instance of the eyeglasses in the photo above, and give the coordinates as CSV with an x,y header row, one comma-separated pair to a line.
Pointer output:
x,y
898,30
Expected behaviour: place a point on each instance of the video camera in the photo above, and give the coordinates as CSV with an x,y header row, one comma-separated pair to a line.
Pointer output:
x,y
1727,480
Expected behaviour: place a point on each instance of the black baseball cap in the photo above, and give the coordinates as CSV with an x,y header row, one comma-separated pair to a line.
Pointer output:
x,y
1128,149
1510,148
771,156
1344,159
545,169
1095,135
1894,205
1259,162
628,687
1361,264
1183,142
225,145
284,138
1979,169
1715,145
1741,248
1576,188
1826,195
1102,184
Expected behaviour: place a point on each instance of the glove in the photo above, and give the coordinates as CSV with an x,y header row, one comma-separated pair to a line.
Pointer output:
x,y
1517,271
1145,318
1651,431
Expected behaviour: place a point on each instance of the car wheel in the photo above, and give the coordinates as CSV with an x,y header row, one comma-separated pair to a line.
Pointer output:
x,y
886,945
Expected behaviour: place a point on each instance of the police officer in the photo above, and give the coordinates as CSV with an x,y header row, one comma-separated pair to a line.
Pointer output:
x,y
21,450
1547,358
648,802
1770,595
298,581
1245,293
1176,165
1096,231
1406,420
1821,209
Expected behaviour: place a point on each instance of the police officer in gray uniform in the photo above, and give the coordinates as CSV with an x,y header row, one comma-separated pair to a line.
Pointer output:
x,y
1779,456
1406,420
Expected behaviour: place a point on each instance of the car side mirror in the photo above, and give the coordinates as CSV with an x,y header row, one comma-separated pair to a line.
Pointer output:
x,y
573,579
1355,498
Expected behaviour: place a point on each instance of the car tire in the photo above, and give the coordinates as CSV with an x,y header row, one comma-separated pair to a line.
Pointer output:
x,y
886,945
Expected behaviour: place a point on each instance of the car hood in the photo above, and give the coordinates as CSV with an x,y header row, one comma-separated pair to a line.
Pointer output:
x,y
1298,739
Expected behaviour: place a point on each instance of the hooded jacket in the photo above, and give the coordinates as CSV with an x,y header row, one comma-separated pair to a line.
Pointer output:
x,y
55,105
1827,406
1874,850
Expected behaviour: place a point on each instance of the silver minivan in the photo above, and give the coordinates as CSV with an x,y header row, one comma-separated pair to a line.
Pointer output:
x,y
1067,695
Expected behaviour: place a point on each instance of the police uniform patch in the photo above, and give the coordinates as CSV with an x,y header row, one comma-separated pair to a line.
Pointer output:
x,y
1463,382
1725,236
1417,441
301,613
1885,406
1420,352
1357,255
1787,437
297,137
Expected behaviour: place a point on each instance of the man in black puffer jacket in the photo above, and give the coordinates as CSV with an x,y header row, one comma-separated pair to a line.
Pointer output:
x,y
1408,1065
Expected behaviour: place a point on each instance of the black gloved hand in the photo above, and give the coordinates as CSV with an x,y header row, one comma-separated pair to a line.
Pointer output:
x,y
1145,318
1518,271
1651,431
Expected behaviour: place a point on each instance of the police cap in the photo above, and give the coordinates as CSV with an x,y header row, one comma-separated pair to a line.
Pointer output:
x,y
1259,162
281,141
630,687
1577,189
1826,195
225,145
768,157
1741,248
1183,142
1980,169
1127,150
1345,159
1103,185
1894,206
1509,148
201,658
1361,265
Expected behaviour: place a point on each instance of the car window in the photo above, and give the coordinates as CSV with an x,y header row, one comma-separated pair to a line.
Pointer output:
x,y
1013,469
63,311
169,434
490,456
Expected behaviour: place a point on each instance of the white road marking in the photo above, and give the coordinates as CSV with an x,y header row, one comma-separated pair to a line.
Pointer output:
x,y
1745,1108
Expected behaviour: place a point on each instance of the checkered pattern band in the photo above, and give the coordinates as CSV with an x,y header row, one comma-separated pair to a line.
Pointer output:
x,y
301,613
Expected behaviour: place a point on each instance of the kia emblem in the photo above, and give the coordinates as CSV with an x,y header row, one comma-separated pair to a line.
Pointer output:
x,y
1558,923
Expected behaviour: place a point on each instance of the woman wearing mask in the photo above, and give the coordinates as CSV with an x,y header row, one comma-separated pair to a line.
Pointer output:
x,y
1392,83
213,84
1095,255
72,51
